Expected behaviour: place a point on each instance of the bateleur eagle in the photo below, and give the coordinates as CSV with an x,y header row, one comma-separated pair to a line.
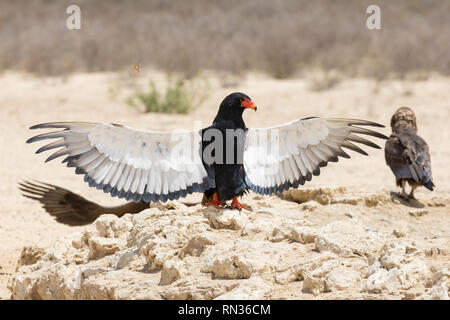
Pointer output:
x,y
155,166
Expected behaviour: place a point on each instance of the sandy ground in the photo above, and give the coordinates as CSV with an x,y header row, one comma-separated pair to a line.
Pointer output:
x,y
25,100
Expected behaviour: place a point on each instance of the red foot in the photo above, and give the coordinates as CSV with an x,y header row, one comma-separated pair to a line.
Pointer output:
x,y
236,205
215,201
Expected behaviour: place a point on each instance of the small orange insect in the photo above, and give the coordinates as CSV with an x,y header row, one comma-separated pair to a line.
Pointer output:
x,y
137,67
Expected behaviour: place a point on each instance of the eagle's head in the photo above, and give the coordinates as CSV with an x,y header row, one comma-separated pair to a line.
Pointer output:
x,y
404,117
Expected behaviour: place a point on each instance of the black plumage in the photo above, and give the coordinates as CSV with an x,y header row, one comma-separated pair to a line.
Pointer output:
x,y
229,178
407,154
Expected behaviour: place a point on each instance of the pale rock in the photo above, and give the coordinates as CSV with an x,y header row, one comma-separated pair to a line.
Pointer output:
x,y
347,239
290,275
78,240
172,271
286,230
225,218
322,195
277,235
318,266
30,255
358,264
391,281
169,205
157,251
164,239
251,289
54,281
110,226
342,278
392,256
375,283
313,285
230,267
60,250
121,284
438,292
373,268
100,247
324,268
441,274
86,273
193,288
416,271
303,234
121,260
324,243
142,290
196,245
104,236
257,225
327,274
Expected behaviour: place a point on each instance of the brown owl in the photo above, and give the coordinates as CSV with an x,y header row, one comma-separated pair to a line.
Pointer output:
x,y
407,154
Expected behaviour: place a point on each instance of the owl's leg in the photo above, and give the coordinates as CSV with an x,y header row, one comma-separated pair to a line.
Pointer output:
x,y
411,194
403,183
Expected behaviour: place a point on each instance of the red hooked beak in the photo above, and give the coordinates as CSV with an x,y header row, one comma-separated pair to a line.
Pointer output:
x,y
246,103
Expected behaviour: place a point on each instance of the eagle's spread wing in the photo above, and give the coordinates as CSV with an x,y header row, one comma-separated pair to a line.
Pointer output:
x,y
408,157
130,163
285,156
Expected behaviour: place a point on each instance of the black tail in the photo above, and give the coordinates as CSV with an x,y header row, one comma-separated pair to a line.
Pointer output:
x,y
429,185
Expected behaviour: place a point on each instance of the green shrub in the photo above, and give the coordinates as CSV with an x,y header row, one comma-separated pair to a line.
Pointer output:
x,y
180,96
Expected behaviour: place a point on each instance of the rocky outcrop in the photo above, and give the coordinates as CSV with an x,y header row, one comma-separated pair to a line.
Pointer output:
x,y
324,247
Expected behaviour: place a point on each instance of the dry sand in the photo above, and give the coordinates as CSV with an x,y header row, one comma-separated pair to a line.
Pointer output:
x,y
25,100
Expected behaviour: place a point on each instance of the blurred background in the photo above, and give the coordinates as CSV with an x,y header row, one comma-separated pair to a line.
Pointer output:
x,y
282,38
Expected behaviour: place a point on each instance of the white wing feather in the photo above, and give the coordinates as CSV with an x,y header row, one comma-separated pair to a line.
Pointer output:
x,y
301,148
130,163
